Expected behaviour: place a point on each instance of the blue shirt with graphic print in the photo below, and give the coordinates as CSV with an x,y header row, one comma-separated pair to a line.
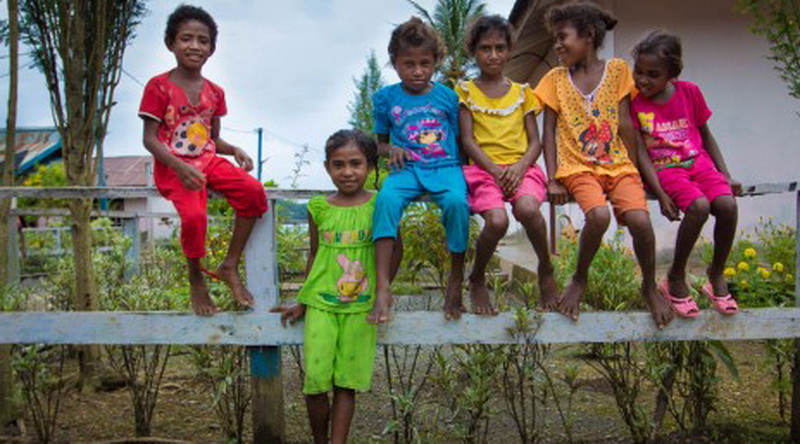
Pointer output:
x,y
426,125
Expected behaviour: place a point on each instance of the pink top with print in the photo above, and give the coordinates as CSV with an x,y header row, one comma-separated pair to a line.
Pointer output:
x,y
184,127
671,130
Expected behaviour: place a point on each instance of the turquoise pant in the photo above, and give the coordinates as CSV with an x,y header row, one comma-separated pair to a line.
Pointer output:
x,y
446,186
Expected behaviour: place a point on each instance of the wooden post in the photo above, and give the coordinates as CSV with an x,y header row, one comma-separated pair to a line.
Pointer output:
x,y
265,361
795,427
130,227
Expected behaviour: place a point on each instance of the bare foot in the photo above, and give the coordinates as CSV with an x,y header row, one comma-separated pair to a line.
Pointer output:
x,y
230,276
548,290
659,307
717,280
480,298
453,299
571,299
201,302
678,286
382,308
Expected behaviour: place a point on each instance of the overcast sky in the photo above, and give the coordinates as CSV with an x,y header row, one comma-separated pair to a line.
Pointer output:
x,y
286,66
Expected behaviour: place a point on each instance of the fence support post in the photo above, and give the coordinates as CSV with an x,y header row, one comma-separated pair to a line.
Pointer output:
x,y
795,427
130,227
265,362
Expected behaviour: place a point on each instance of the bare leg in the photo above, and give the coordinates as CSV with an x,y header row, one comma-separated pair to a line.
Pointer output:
x,y
453,299
688,232
198,292
344,403
725,210
319,412
228,271
527,212
597,220
644,245
384,250
494,228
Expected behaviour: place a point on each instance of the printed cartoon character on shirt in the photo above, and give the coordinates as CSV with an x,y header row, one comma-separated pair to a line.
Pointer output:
x,y
353,282
671,147
428,133
596,142
191,135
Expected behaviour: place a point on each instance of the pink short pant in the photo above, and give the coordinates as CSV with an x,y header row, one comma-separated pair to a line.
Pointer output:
x,y
701,179
485,194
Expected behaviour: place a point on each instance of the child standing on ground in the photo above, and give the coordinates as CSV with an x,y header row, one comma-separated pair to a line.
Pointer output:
x,y
339,344
416,122
672,117
498,131
181,111
587,106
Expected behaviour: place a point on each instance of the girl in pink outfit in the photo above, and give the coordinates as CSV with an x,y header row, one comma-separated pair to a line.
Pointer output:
x,y
672,117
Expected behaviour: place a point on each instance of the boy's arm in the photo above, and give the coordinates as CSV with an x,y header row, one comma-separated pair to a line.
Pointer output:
x,y
716,155
637,151
556,192
223,147
514,174
189,176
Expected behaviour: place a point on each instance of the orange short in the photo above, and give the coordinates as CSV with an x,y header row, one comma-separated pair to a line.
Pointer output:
x,y
625,192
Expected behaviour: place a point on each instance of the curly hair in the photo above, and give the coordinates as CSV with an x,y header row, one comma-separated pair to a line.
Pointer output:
x,y
587,18
184,13
664,45
415,33
365,144
486,24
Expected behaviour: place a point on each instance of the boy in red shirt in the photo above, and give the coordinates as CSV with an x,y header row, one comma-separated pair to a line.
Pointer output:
x,y
181,112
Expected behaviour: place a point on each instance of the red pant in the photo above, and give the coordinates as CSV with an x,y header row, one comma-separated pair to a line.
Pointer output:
x,y
242,191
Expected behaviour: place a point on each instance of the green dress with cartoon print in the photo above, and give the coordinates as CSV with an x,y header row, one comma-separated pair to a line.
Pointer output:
x,y
342,278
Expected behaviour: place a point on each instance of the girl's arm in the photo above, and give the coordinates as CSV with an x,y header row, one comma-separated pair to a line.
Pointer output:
x,y
189,176
512,176
716,155
471,147
396,157
292,313
556,192
641,159
223,147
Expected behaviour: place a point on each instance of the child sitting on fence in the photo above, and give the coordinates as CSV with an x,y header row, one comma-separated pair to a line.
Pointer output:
x,y
416,122
497,120
181,111
339,291
587,107
672,117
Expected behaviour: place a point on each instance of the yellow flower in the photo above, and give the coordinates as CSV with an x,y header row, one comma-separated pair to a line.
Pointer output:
x,y
789,277
743,266
777,266
763,272
750,253
730,272
744,284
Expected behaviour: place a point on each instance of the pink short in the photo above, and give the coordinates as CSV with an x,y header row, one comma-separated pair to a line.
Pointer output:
x,y
701,179
485,194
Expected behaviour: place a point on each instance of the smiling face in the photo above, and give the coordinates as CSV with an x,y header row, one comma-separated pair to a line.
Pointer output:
x,y
348,168
652,77
415,67
491,52
192,45
572,48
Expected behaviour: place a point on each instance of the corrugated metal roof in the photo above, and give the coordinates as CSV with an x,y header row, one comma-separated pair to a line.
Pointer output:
x,y
127,171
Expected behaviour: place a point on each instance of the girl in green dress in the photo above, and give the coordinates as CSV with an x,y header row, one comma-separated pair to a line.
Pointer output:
x,y
339,343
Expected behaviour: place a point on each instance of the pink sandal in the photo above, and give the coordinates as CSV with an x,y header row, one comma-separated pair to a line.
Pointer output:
x,y
724,304
684,307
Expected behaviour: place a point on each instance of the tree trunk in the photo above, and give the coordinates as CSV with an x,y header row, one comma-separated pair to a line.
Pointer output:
x,y
85,292
7,408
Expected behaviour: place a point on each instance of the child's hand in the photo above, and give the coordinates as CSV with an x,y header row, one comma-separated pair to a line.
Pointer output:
x,y
556,193
190,176
669,209
511,178
290,313
397,158
244,161
736,186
